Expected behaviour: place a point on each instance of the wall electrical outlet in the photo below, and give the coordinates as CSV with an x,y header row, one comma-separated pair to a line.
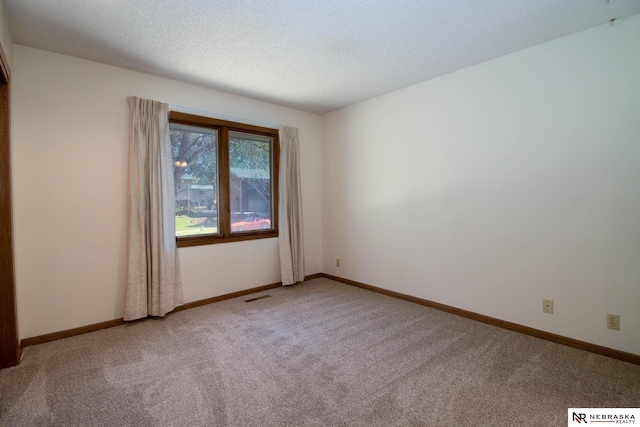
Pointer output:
x,y
337,262
613,321
547,306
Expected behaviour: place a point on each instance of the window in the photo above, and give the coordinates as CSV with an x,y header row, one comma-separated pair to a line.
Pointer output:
x,y
225,178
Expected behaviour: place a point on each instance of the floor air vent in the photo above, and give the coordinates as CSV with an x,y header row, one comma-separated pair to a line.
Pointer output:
x,y
257,298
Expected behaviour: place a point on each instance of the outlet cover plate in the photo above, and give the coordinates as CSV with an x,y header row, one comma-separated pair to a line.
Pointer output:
x,y
613,321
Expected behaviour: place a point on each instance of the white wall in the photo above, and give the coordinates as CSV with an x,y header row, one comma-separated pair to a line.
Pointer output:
x,y
494,187
70,125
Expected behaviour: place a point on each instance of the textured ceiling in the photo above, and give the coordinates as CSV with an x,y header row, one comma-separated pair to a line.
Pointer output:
x,y
314,55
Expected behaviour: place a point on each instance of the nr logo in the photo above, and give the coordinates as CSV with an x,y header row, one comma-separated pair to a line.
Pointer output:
x,y
580,418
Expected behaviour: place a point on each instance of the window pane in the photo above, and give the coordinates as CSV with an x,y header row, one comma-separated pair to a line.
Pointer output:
x,y
195,174
250,181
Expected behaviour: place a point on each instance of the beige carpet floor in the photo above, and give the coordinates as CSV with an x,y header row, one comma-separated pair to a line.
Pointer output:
x,y
320,353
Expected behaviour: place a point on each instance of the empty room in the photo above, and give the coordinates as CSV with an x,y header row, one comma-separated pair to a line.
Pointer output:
x,y
287,213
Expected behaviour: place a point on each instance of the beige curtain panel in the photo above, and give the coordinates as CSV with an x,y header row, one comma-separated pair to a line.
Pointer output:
x,y
154,287
290,209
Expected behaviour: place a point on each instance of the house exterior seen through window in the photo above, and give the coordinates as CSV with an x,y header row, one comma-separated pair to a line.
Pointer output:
x,y
225,180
